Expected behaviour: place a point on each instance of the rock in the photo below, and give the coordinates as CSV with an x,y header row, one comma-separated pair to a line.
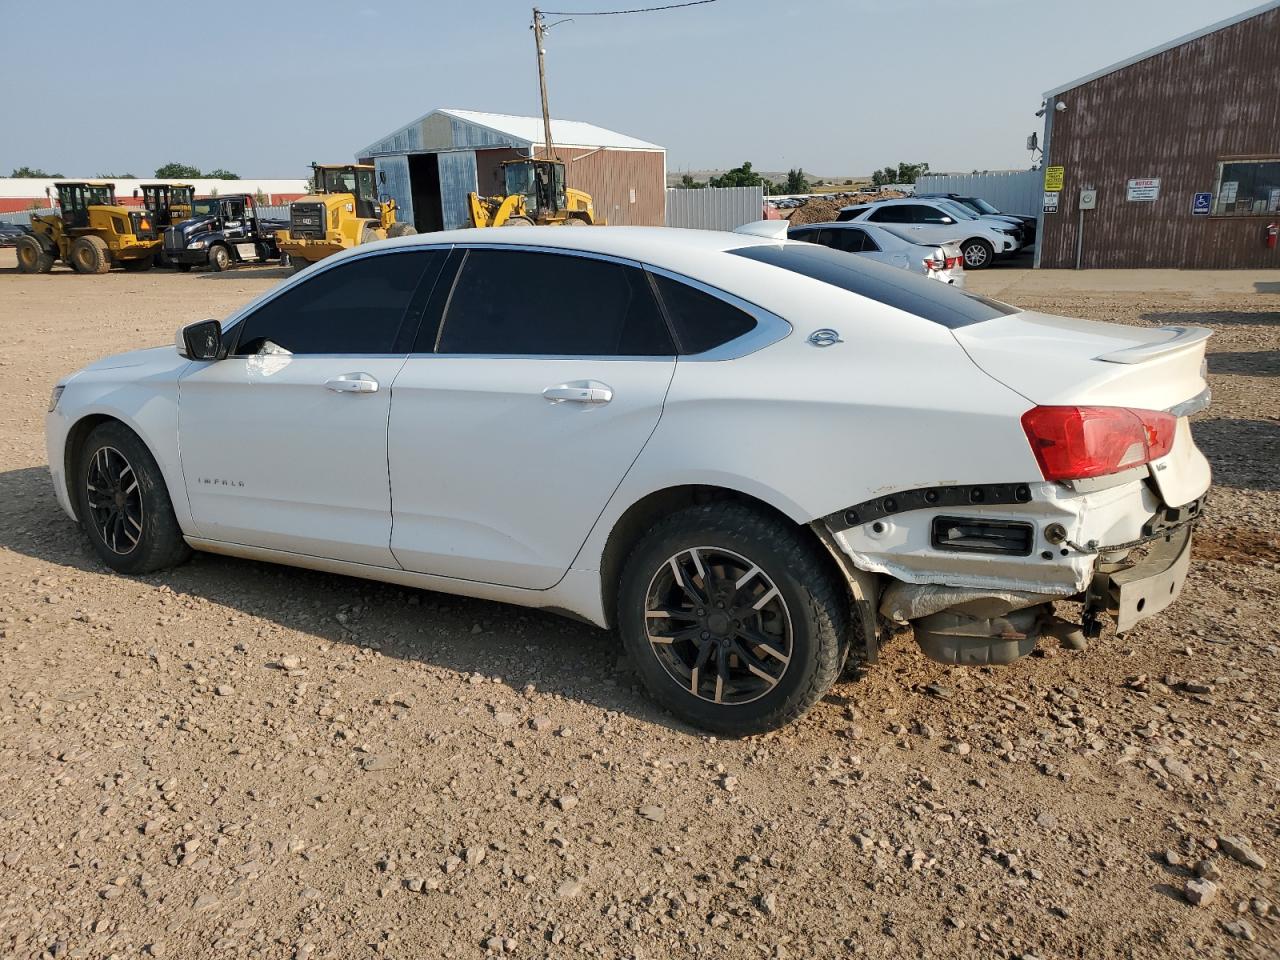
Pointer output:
x,y
1177,769
224,689
413,884
959,748
474,855
1200,892
1238,848
566,803
652,812
1172,858
206,901
377,761
729,782
540,723
569,888
1241,929
290,663
493,943
1207,869
768,903
1046,820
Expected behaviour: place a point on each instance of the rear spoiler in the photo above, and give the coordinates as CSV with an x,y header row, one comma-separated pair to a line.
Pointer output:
x,y
1181,339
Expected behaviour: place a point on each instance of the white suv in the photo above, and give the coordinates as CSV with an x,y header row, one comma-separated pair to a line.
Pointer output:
x,y
934,221
746,454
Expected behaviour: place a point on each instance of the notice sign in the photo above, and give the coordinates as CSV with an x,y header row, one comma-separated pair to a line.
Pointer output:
x,y
1147,190
1050,201
1227,194
1201,204
1054,178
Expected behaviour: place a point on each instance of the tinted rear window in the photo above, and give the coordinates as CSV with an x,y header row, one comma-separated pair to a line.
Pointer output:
x,y
928,299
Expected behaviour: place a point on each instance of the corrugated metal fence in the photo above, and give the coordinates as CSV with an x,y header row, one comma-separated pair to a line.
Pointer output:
x,y
279,212
712,208
1019,191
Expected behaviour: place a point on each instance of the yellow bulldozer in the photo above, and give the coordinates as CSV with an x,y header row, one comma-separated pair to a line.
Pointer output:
x,y
343,212
536,194
91,233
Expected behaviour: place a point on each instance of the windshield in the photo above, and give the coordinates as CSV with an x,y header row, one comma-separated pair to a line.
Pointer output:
x,y
181,195
957,209
205,208
981,204
927,299
100,196
520,179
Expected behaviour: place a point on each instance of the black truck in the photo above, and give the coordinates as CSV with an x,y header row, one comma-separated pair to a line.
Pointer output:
x,y
223,231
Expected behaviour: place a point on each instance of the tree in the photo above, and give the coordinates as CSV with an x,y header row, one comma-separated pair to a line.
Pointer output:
x,y
902,173
261,198
114,176
33,173
796,182
742,176
688,183
221,174
178,171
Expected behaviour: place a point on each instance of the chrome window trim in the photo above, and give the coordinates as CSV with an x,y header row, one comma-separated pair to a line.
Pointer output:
x,y
769,328
1197,403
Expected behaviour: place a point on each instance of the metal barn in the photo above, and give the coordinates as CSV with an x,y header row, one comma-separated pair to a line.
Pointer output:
x,y
1177,151
430,165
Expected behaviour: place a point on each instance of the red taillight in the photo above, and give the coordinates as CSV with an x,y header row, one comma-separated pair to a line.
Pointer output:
x,y
953,262
1073,443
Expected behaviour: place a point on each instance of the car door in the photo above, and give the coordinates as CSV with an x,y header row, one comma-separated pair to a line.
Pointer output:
x,y
515,419
284,442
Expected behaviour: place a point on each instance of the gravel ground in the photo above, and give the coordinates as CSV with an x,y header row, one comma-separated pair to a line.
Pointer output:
x,y
240,760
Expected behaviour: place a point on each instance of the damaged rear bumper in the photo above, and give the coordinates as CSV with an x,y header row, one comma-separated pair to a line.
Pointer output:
x,y
1131,592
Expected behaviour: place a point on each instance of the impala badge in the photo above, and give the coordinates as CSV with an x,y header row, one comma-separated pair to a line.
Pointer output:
x,y
825,337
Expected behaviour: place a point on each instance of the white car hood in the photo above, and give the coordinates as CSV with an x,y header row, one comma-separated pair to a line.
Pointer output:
x,y
1057,360
159,358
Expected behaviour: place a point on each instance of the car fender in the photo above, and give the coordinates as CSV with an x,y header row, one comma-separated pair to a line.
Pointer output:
x,y
148,407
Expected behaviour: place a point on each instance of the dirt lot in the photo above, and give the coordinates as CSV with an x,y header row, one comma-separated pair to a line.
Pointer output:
x,y
240,760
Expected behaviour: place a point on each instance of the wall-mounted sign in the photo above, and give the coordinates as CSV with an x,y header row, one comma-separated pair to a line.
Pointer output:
x,y
1273,203
1144,189
1227,193
1201,204
1050,201
1054,178
1088,198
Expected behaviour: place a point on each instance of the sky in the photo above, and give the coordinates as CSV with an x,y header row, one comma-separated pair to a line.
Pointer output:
x,y
837,87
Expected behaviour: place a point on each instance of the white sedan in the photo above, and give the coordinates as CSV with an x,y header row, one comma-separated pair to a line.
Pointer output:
x,y
943,262
746,455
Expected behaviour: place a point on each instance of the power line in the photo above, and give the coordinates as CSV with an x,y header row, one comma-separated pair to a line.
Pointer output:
x,y
614,13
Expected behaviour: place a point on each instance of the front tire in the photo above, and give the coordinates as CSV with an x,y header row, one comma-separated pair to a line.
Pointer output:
x,y
219,258
401,230
297,264
89,255
123,503
978,254
32,256
734,619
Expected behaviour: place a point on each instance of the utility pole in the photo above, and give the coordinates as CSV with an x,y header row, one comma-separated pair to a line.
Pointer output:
x,y
540,31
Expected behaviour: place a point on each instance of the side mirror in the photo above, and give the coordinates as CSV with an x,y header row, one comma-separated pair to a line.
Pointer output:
x,y
201,341
946,220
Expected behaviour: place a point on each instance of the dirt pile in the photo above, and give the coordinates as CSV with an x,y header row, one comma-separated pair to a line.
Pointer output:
x,y
824,209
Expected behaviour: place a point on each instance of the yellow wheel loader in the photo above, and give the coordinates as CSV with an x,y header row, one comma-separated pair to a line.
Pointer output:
x,y
91,233
169,203
344,211
536,194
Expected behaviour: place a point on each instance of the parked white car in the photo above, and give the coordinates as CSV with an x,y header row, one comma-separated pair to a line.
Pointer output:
x,y
936,221
944,261
740,452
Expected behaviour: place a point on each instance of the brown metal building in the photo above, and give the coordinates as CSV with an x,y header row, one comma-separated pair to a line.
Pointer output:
x,y
430,165
1152,136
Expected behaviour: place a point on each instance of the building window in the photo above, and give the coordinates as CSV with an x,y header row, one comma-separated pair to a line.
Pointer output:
x,y
1247,188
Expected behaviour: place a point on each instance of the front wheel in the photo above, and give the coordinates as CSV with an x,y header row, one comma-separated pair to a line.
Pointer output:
x,y
978,254
219,258
297,264
734,619
32,256
124,504
89,255
401,230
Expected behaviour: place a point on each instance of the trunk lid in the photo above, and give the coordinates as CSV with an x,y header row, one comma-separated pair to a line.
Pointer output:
x,y
1062,361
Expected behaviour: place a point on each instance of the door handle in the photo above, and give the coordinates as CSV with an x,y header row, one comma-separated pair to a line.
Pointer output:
x,y
579,391
352,383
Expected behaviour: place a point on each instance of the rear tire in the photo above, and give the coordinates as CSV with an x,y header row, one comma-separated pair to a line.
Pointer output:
x,y
401,230
89,255
127,513
138,266
761,618
370,234
219,258
978,254
32,256
297,264
518,221
576,222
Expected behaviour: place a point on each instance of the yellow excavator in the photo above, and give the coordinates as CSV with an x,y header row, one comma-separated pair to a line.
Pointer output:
x,y
536,194
91,232
343,212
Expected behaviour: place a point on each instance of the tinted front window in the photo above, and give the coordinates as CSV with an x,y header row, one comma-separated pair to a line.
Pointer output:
x,y
354,308
703,322
896,214
850,241
851,214
525,303
928,299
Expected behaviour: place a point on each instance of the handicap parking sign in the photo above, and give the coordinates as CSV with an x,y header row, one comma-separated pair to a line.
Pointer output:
x,y
1201,205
